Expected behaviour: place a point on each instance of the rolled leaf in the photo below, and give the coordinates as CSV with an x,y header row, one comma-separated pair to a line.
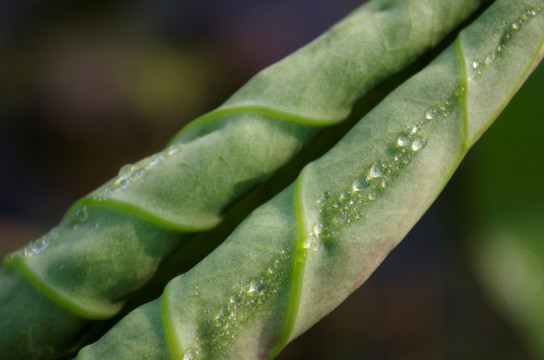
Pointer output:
x,y
111,242
298,256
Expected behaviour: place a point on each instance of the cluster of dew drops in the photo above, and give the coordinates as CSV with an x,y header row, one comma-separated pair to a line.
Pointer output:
x,y
348,206
509,30
243,304
39,245
130,174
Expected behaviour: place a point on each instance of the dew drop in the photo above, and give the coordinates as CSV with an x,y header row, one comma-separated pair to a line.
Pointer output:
x,y
415,129
123,184
489,59
27,251
82,213
378,169
372,196
234,299
430,114
360,184
137,175
156,160
384,183
255,285
318,229
500,48
444,106
475,64
307,243
39,245
515,26
533,12
126,169
190,354
174,148
419,143
404,139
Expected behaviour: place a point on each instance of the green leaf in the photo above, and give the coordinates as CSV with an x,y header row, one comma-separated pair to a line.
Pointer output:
x,y
298,256
111,242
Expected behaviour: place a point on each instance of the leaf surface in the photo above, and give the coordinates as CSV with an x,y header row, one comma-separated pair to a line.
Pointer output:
x,y
111,242
297,257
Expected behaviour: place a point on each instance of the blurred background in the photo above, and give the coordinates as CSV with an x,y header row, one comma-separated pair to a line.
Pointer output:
x,y
88,86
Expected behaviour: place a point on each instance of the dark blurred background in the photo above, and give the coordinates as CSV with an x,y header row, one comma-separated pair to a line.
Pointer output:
x,y
88,86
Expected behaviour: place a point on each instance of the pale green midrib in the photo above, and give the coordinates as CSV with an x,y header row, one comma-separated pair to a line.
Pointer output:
x,y
298,270
136,211
463,94
65,301
220,112
169,328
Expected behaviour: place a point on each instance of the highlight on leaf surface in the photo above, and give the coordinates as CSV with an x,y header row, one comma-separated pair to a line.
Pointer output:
x,y
296,257
111,242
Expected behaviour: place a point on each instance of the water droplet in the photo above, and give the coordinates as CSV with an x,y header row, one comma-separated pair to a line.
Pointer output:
x,y
156,160
430,114
39,245
475,64
515,26
126,169
27,251
404,139
255,285
384,183
235,298
372,196
360,184
378,169
419,143
533,12
174,148
137,175
318,228
75,226
500,48
489,59
82,213
415,129
123,184
444,106
307,243
190,354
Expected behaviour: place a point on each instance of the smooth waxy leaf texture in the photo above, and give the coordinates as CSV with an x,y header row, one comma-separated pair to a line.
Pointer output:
x,y
111,241
298,256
